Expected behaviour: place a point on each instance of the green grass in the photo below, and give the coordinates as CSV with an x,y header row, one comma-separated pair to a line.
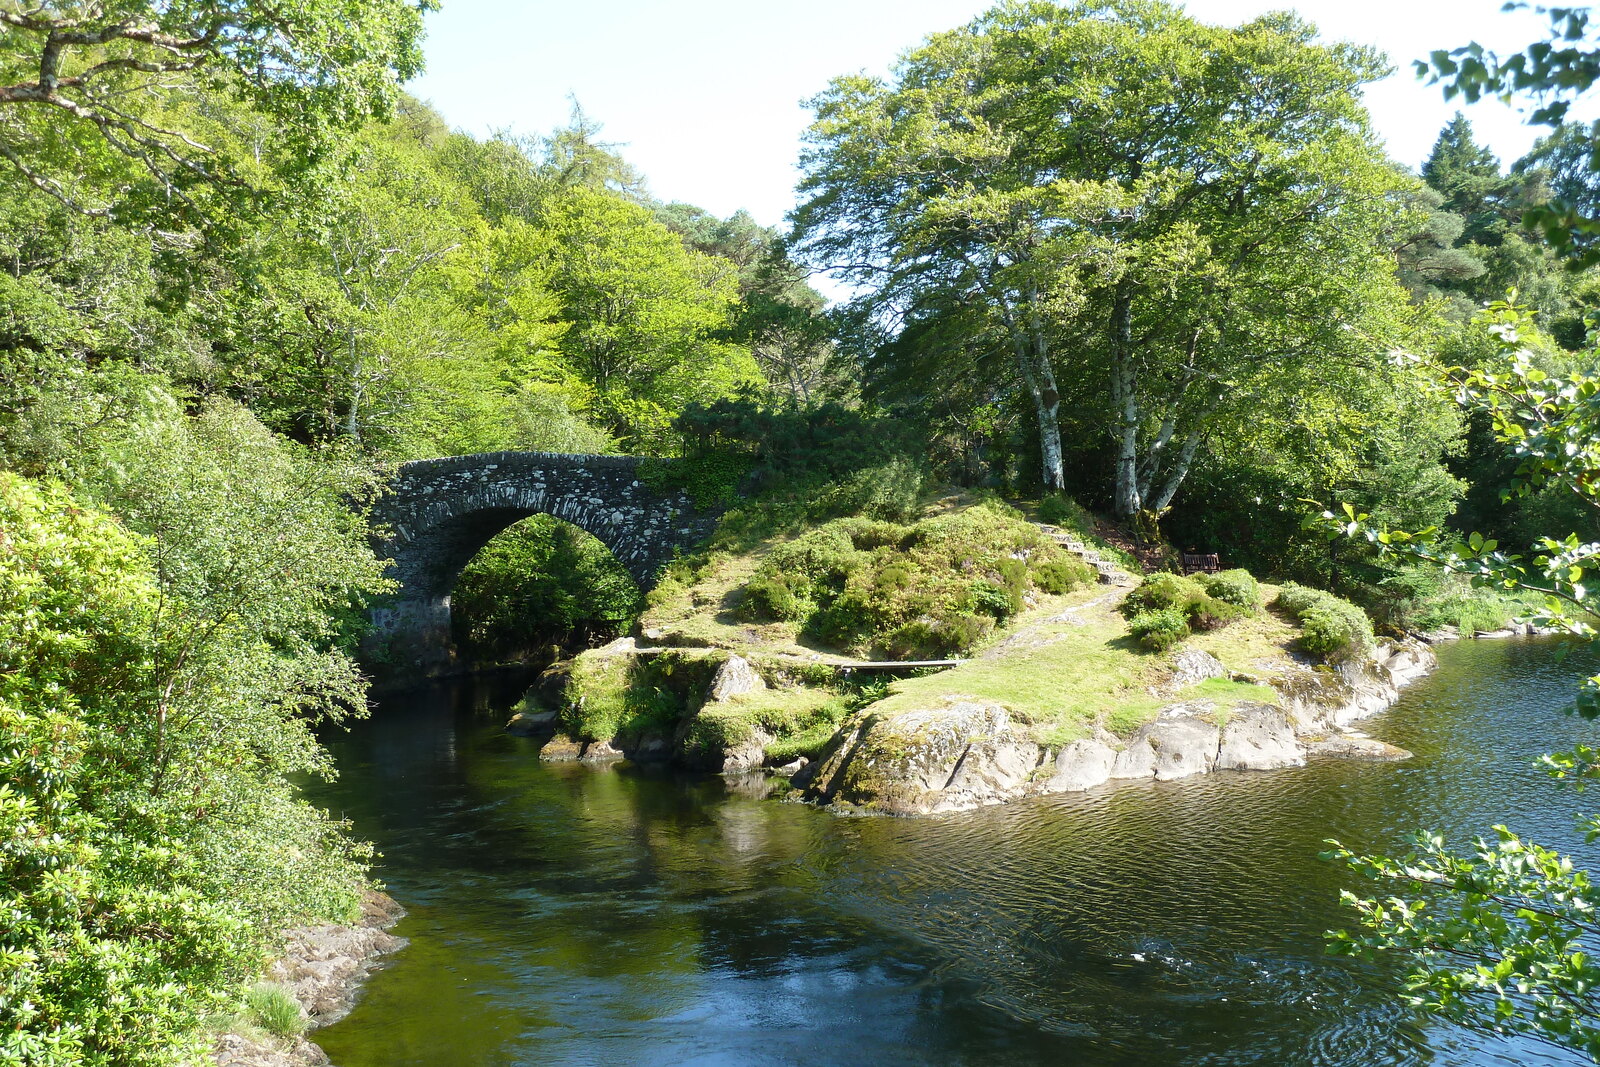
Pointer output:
x,y
1061,677
272,1008
1064,680
1472,610
1227,691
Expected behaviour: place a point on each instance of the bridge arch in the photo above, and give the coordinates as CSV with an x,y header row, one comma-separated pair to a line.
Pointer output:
x,y
438,513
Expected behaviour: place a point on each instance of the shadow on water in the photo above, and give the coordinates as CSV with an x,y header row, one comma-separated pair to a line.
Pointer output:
x,y
569,914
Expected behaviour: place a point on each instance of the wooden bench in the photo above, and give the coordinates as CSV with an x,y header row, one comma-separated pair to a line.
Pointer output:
x,y
1201,563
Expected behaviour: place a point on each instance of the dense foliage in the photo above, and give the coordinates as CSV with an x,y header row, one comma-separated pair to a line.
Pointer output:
x,y
156,691
1110,214
540,588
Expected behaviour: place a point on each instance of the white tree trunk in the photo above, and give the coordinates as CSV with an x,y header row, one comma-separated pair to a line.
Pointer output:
x,y
1128,500
1033,360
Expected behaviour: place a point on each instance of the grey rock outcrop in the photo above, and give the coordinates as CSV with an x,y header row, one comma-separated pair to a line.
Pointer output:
x,y
1258,737
322,967
963,753
960,755
1174,746
734,678
1081,765
1192,665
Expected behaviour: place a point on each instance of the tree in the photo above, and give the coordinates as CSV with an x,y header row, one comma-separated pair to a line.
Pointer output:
x,y
1563,164
1157,216
75,78
645,317
1468,175
160,674
780,316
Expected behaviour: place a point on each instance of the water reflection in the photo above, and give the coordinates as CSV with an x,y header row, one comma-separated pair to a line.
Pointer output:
x,y
567,914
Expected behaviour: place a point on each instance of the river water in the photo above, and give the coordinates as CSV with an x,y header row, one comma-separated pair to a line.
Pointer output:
x,y
564,914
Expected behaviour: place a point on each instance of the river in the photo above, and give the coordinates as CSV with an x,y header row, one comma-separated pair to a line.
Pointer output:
x,y
564,914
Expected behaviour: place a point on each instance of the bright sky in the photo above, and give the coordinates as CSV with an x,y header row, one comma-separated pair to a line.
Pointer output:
x,y
704,96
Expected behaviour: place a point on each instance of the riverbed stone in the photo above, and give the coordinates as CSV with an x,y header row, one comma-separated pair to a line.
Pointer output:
x,y
531,723
1258,737
601,752
560,749
1355,746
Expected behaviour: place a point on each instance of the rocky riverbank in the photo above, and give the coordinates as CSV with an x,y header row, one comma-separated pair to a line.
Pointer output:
x,y
1065,701
955,753
322,968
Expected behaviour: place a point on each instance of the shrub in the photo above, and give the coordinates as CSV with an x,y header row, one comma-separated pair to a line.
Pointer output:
x,y
1163,592
1332,629
1062,575
1235,587
993,600
775,597
1159,630
928,638
931,589
144,868
1209,613
1058,509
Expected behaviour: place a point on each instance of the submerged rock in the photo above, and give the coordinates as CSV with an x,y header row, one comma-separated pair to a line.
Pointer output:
x,y
531,723
560,749
1355,746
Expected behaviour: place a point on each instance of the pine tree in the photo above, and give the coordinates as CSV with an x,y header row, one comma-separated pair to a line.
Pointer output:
x,y
1468,175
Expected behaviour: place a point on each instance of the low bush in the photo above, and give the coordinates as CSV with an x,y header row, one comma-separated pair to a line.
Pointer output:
x,y
1160,629
1058,509
1162,597
1235,587
1209,613
1192,598
775,598
1163,592
1332,629
1062,575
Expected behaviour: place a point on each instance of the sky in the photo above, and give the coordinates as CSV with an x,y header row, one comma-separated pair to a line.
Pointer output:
x,y
705,97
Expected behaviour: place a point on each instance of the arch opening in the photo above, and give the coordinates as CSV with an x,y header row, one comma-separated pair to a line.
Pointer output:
x,y
539,590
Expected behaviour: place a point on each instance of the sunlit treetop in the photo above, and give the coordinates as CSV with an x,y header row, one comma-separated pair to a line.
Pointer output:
x,y
140,81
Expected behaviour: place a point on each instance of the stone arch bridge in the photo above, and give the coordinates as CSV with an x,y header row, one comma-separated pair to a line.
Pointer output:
x,y
438,513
